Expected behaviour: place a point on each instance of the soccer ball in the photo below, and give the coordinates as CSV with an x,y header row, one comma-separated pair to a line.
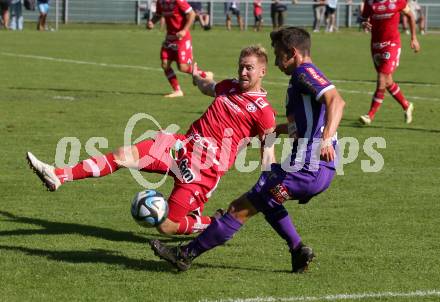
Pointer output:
x,y
149,208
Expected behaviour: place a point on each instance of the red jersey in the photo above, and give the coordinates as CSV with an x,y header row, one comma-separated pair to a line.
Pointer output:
x,y
174,12
258,9
232,117
384,17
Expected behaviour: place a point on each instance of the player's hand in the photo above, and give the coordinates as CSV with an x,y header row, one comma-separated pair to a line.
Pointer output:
x,y
195,73
181,34
327,150
367,26
415,45
150,25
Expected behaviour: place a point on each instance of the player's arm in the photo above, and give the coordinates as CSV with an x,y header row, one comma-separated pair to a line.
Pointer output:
x,y
267,151
190,16
152,21
206,86
288,128
365,17
412,27
334,105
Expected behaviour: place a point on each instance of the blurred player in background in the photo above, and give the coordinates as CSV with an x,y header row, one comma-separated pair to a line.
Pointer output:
x,y
43,8
314,109
258,15
179,17
382,18
419,15
201,15
4,10
198,159
232,8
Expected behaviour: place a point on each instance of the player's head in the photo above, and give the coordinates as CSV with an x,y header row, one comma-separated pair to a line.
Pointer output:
x,y
290,45
252,67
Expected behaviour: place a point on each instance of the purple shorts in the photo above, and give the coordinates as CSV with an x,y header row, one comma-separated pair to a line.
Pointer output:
x,y
277,186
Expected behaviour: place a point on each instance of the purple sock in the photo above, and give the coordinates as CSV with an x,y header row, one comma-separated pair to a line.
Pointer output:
x,y
218,232
283,225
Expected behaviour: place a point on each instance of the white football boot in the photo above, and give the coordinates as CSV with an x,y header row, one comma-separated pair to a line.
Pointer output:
x,y
174,94
44,171
365,119
409,113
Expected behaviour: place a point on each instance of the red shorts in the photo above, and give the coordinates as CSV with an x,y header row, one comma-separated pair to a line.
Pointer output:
x,y
179,51
386,56
192,188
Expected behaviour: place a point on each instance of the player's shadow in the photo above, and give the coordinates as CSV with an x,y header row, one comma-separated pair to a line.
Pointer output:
x,y
357,125
72,90
92,256
61,228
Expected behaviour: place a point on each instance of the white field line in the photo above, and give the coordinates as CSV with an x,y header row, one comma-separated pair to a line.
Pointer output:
x,y
338,297
282,82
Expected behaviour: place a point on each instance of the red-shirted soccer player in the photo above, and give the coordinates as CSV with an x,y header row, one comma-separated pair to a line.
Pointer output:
x,y
201,157
179,16
382,17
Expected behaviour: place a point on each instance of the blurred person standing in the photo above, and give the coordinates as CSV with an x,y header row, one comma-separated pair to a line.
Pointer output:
x,y
4,9
43,8
201,16
278,13
232,8
419,15
258,15
318,14
16,15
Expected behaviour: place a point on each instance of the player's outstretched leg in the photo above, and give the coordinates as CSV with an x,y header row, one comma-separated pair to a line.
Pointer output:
x,y
174,255
301,258
44,171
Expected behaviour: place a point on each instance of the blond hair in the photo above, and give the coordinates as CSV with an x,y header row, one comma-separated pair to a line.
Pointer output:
x,y
255,50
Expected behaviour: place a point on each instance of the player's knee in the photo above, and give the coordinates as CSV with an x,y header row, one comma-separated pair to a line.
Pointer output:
x,y
168,227
184,68
242,209
125,155
165,66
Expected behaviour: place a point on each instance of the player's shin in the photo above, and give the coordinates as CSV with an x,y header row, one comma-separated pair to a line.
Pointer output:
x,y
376,102
397,94
192,224
280,221
218,232
172,79
93,167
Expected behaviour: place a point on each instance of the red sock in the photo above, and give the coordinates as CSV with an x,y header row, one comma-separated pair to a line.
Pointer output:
x,y
193,224
92,167
376,102
201,73
172,78
394,90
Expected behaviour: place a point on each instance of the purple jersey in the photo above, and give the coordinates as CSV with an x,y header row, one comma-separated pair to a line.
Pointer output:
x,y
306,87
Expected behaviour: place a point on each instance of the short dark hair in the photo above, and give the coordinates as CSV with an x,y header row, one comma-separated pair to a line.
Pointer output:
x,y
255,50
292,37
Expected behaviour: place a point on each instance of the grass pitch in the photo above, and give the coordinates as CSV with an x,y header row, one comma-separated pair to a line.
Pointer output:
x,y
372,232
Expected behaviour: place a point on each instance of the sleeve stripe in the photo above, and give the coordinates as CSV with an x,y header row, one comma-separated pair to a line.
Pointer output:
x,y
324,91
188,10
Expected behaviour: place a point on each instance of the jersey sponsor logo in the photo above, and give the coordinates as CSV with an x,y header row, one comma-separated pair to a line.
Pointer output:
x,y
280,193
230,104
204,142
380,45
392,6
382,16
381,8
187,173
261,103
251,107
316,76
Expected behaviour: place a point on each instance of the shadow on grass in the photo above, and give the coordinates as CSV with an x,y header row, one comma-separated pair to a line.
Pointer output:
x,y
58,228
357,125
72,90
92,256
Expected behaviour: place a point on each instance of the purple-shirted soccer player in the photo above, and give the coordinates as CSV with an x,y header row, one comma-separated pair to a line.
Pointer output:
x,y
314,109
